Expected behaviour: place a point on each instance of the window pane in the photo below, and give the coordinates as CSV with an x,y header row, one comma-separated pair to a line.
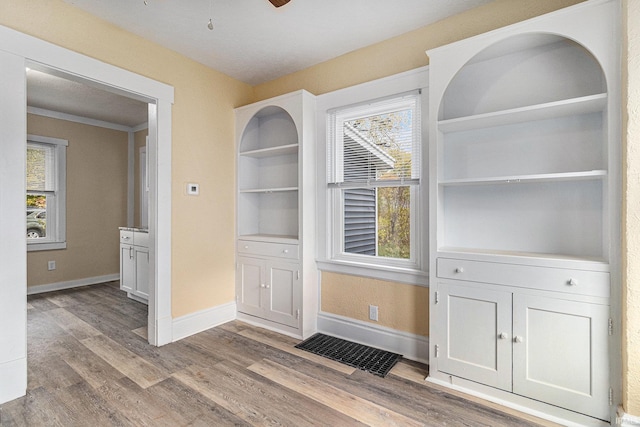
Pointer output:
x,y
378,147
377,221
394,222
36,216
40,167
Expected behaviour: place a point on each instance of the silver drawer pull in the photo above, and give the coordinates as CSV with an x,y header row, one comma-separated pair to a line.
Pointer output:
x,y
459,270
518,339
125,238
572,282
286,251
246,247
503,336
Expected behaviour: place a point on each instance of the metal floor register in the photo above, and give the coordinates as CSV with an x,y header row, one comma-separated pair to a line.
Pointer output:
x,y
373,360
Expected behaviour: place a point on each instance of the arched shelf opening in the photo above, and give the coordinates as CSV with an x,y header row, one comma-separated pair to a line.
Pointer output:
x,y
268,176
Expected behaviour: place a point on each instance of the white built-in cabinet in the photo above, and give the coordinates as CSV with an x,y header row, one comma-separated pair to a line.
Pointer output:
x,y
276,277
524,211
134,263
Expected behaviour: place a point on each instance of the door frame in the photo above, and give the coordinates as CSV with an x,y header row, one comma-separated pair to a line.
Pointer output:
x,y
17,51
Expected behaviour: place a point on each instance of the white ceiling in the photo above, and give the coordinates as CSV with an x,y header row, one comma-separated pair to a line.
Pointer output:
x,y
252,41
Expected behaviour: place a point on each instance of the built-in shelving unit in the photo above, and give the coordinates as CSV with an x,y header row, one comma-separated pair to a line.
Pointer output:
x,y
524,178
276,271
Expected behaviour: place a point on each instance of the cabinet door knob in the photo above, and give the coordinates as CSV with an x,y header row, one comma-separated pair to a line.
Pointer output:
x,y
286,251
268,286
459,270
246,246
125,238
572,282
518,339
262,285
503,336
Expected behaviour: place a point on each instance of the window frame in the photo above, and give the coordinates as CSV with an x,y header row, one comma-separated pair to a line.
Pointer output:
x,y
56,211
331,255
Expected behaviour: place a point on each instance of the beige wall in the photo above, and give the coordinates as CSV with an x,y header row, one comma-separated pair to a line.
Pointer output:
x,y
96,202
631,218
401,307
202,134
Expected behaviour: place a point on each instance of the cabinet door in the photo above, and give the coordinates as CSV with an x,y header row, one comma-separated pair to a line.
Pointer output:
x,y
476,329
283,289
141,271
127,268
249,286
560,353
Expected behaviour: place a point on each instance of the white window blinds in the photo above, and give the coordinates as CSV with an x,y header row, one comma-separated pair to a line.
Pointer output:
x,y
375,144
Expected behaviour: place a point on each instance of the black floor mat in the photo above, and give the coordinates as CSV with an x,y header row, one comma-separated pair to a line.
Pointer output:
x,y
378,362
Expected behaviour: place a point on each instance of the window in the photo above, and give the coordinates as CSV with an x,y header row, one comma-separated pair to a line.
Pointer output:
x,y
46,198
373,177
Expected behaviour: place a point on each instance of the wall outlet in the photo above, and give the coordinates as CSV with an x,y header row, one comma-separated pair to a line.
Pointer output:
x,y
51,265
373,312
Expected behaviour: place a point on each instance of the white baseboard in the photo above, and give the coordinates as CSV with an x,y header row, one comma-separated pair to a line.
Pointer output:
x,y
626,420
193,323
38,289
410,346
13,377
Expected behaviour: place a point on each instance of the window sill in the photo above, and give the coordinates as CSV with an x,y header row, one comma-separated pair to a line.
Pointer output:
x,y
373,271
35,247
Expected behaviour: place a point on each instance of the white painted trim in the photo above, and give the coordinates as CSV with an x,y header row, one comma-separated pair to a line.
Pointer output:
x,y
131,144
141,126
193,323
410,346
538,409
327,224
626,420
77,119
57,286
13,250
13,373
17,50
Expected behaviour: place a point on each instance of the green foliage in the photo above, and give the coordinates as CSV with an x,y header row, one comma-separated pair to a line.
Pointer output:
x,y
394,203
36,201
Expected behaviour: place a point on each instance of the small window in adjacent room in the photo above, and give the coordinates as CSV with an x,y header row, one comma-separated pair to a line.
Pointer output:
x,y
374,180
46,195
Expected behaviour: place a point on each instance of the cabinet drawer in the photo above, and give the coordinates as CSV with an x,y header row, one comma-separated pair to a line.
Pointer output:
x,y
592,283
281,250
141,239
126,237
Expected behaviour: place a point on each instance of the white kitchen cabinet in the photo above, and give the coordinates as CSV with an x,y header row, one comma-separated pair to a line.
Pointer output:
x,y
276,280
270,290
524,186
134,263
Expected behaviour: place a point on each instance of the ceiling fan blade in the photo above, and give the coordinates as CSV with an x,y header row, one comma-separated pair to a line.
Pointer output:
x,y
278,3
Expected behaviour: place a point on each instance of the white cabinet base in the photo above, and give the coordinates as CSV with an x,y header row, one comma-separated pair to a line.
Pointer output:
x,y
513,401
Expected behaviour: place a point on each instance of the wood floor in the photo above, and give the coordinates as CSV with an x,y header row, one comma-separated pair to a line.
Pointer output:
x,y
90,365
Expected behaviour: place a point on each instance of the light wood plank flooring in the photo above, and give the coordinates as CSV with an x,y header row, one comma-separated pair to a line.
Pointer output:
x,y
90,365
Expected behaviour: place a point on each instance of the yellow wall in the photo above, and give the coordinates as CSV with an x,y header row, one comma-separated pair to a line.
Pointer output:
x,y
401,307
96,202
631,218
202,133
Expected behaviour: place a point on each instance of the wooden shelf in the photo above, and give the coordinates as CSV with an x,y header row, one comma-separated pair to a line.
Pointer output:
x,y
521,179
271,151
568,107
269,190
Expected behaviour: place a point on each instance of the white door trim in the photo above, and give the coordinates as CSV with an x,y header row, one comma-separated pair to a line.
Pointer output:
x,y
18,50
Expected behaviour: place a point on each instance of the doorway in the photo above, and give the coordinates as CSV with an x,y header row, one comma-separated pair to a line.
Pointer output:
x,y
18,51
